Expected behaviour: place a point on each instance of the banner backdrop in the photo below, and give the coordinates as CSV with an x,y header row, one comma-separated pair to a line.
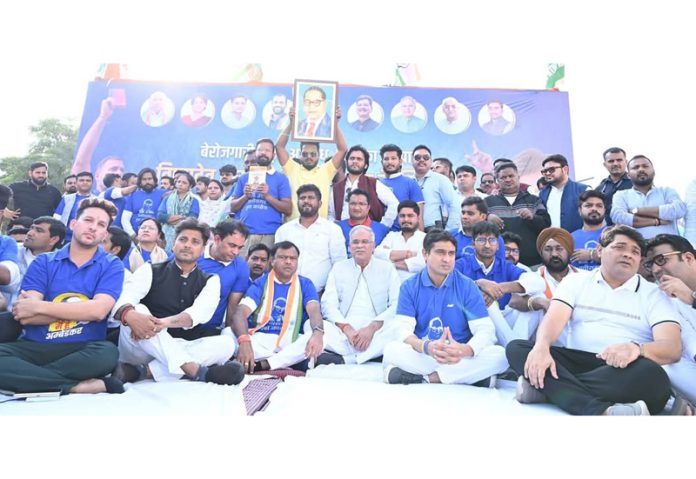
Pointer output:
x,y
200,127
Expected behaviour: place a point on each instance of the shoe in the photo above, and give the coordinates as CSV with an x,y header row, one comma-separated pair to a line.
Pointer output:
x,y
329,358
126,373
509,375
528,394
230,374
489,382
394,375
638,408
113,385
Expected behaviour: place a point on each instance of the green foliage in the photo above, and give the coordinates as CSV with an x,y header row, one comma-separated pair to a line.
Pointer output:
x,y
54,142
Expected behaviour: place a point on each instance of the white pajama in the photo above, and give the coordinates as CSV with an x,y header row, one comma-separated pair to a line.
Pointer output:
x,y
165,355
489,361
511,324
264,347
682,375
337,342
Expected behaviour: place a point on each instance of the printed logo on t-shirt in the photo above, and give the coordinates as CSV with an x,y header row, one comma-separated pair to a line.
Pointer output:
x,y
435,329
65,328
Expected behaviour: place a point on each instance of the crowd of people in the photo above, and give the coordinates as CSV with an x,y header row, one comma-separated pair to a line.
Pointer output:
x,y
586,297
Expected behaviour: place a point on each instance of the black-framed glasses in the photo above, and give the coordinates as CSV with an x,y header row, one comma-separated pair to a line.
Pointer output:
x,y
549,170
659,259
314,103
482,240
421,157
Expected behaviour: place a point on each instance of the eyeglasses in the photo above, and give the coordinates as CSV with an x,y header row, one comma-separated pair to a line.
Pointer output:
x,y
549,170
482,240
309,154
659,259
512,250
314,103
487,182
421,157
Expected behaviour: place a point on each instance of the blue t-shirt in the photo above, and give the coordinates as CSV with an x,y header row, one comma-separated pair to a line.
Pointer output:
x,y
143,205
456,302
119,203
465,245
378,229
586,240
59,280
257,213
280,293
404,188
73,213
8,249
234,278
502,272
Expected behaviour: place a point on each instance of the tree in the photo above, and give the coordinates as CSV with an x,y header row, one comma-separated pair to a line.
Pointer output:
x,y
54,142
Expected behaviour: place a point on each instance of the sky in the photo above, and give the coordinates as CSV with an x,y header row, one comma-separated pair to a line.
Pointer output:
x,y
628,64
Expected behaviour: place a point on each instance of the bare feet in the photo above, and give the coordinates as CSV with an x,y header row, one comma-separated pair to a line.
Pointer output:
x,y
89,386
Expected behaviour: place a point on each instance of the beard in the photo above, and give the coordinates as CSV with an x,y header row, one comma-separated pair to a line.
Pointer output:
x,y
263,160
643,181
355,171
147,188
408,229
593,220
556,265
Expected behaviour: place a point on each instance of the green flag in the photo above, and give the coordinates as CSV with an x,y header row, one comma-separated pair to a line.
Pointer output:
x,y
556,74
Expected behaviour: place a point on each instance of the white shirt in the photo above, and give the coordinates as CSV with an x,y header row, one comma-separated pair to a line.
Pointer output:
x,y
385,195
553,205
603,316
394,241
687,318
361,312
321,246
690,218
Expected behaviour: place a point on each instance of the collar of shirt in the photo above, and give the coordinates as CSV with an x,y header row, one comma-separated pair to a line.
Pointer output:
x,y
207,254
181,271
395,175
425,279
632,284
485,270
64,253
367,222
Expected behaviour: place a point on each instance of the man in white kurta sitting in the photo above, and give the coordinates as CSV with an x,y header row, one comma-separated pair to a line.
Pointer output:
x,y
404,248
359,303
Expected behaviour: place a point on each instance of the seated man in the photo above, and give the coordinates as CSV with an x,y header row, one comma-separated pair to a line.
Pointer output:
x,y
65,300
46,234
358,214
161,311
448,335
404,248
269,319
259,256
672,260
359,303
512,243
496,279
473,211
622,330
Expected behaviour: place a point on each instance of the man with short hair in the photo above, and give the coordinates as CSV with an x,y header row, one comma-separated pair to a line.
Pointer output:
x,y
615,163
65,300
651,209
319,240
512,243
449,337
359,304
261,206
67,208
441,204
308,170
162,311
586,239
116,190
35,197
444,167
69,184
10,271
259,256
622,330
474,210
404,187
201,190
166,182
383,203
249,160
143,202
363,108
488,185
560,195
518,211
466,183
45,235
358,214
228,177
270,319
672,260
404,248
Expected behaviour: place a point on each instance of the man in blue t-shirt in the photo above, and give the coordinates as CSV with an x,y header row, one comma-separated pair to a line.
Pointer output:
x,y
65,300
358,214
221,257
592,211
473,211
260,205
449,338
117,190
67,208
403,187
143,202
271,318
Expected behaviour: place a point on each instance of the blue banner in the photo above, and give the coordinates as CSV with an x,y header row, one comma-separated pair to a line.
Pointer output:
x,y
200,127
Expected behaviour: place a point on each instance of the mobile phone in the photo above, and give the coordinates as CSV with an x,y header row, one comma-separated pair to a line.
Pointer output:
x,y
118,97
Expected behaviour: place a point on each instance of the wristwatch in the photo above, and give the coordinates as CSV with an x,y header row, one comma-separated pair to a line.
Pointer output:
x,y
634,211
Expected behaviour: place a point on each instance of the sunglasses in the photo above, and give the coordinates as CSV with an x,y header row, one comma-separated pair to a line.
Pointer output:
x,y
659,259
549,170
421,157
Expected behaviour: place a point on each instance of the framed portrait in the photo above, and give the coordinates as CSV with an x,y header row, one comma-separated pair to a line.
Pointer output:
x,y
315,118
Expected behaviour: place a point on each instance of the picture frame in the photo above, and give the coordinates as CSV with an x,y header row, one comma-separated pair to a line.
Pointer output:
x,y
315,118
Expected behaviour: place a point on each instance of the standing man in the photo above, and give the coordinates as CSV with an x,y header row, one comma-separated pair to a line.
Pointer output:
x,y
404,248
67,208
615,163
488,185
117,189
319,240
651,209
622,330
363,107
466,183
261,207
143,202
587,238
35,197
449,337
383,203
228,177
201,189
65,300
308,171
358,214
518,211
69,184
560,195
404,188
440,199
259,256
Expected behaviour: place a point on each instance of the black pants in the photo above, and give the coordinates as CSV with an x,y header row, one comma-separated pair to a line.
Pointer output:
x,y
9,328
28,366
586,385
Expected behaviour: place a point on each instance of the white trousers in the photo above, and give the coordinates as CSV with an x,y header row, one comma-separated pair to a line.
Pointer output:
x,y
265,348
683,377
337,342
165,355
513,324
489,361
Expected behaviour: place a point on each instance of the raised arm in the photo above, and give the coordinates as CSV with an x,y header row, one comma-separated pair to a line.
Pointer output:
x,y
89,143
